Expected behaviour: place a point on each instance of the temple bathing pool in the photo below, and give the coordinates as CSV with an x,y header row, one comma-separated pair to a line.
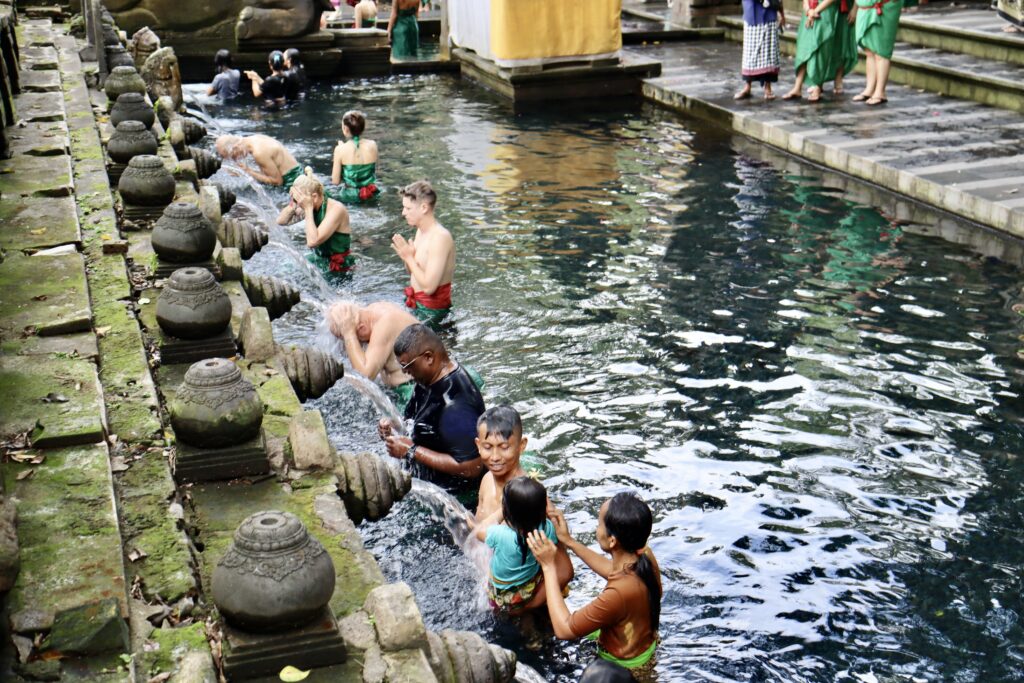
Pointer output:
x,y
821,405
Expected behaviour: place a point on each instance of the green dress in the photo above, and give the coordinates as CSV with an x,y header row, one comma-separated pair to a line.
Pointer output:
x,y
815,47
358,182
334,255
405,36
844,50
877,23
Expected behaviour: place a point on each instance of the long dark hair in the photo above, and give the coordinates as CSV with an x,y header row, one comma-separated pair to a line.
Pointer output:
x,y
629,520
524,507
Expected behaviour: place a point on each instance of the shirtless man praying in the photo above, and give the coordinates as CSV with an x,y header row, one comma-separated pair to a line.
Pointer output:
x,y
429,256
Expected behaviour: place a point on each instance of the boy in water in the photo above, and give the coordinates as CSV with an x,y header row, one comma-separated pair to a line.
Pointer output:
x,y
500,441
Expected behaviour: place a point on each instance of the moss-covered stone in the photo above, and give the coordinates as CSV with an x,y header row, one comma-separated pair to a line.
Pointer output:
x,y
38,222
43,295
56,400
169,646
94,628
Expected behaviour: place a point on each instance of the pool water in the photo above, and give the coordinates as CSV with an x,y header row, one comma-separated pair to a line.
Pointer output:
x,y
821,405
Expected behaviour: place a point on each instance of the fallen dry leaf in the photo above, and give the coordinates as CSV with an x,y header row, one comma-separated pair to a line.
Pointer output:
x,y
25,475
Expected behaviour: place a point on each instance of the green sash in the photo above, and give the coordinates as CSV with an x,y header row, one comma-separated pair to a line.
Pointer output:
x,y
632,662
289,178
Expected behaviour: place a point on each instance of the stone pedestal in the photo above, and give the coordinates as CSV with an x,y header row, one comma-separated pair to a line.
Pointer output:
x,y
142,216
211,464
174,351
366,50
252,655
165,269
114,171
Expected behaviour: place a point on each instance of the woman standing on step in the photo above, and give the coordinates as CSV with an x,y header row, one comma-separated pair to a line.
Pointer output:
x,y
815,49
844,48
877,23
403,30
355,163
328,232
762,22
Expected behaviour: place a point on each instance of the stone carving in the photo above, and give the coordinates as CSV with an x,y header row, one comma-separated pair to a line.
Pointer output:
x,y
130,139
162,76
369,486
465,657
242,234
132,106
183,234
227,197
273,294
215,407
206,164
123,79
274,576
118,56
262,18
143,43
310,371
192,305
193,130
146,182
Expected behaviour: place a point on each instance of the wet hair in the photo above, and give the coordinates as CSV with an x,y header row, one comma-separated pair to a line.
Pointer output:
x,y
629,520
294,56
276,60
524,507
502,420
356,122
603,671
420,191
226,144
417,339
223,60
307,182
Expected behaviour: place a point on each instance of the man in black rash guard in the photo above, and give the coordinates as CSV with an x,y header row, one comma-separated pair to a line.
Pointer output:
x,y
444,409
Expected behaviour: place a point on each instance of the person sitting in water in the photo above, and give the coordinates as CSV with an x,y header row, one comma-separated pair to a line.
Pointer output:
x,y
295,80
327,226
403,29
277,165
355,163
366,14
625,615
444,409
225,82
516,582
273,89
501,444
429,256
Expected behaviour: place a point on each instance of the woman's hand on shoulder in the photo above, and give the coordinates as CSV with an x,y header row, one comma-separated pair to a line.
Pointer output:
x,y
542,548
561,526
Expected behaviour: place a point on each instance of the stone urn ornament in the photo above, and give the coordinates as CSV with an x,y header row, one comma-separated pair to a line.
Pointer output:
x,y
118,56
215,407
123,79
146,182
193,305
132,106
183,234
274,576
130,139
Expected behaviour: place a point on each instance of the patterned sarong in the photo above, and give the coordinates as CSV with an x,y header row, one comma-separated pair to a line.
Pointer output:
x,y
761,52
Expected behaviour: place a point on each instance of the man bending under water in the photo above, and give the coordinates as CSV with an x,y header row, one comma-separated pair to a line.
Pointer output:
x,y
429,256
277,165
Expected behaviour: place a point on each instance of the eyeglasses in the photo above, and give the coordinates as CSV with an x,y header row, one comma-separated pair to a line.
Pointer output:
x,y
404,366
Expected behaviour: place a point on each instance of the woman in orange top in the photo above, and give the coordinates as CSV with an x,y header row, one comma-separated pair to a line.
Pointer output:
x,y
625,615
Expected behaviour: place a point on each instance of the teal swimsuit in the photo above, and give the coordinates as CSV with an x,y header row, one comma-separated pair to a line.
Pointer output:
x,y
334,255
358,182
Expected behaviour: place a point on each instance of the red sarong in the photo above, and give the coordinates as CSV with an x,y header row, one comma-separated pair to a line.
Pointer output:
x,y
337,262
439,300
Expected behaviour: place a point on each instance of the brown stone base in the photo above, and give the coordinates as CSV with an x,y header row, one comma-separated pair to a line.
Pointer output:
x,y
174,351
114,171
143,217
253,655
585,79
212,464
166,268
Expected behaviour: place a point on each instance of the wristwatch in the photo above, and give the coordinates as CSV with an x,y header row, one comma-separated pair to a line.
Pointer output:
x,y
410,455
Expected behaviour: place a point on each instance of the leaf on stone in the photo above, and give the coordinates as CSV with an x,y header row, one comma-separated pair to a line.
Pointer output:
x,y
102,331
143,301
25,475
117,464
106,237
41,297
290,674
22,456
40,231
134,555
160,678
55,398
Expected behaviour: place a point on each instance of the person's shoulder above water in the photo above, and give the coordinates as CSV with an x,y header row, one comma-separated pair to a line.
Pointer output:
x,y
225,84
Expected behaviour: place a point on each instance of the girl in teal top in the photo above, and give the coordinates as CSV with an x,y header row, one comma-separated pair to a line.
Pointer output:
x,y
326,222
355,163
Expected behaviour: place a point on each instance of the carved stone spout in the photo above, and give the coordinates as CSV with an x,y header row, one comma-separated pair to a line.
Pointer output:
x,y
273,294
241,234
369,486
310,371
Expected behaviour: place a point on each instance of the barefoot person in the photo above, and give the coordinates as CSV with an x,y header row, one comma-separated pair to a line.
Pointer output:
x,y
815,49
403,29
429,256
376,325
625,615
444,409
276,164
355,163
876,24
326,223
761,57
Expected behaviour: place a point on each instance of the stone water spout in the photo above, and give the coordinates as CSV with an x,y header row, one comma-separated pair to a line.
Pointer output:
x,y
226,196
369,486
273,294
274,576
465,657
242,234
310,371
206,164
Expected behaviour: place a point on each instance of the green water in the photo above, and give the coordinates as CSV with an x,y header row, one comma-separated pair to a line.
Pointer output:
x,y
822,406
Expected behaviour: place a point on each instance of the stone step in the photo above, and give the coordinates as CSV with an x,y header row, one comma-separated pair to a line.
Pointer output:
x,y
975,32
998,84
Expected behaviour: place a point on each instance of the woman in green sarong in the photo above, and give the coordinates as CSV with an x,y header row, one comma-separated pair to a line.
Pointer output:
x,y
326,223
355,163
815,49
403,30
877,23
